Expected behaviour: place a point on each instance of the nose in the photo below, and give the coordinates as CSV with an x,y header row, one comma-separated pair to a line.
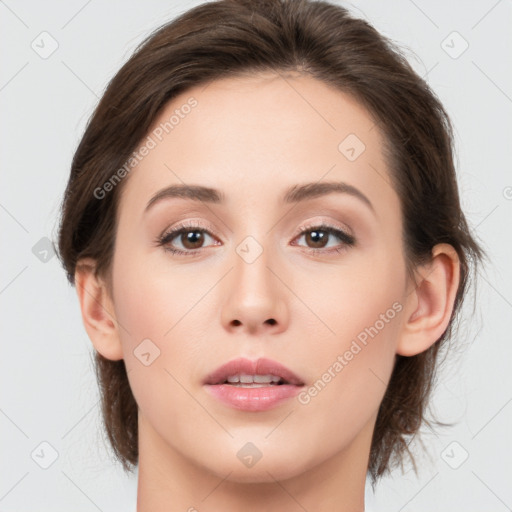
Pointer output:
x,y
255,298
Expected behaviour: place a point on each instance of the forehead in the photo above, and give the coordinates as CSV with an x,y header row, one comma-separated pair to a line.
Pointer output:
x,y
255,135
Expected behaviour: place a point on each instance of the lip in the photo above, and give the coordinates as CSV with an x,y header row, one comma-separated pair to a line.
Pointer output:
x,y
252,399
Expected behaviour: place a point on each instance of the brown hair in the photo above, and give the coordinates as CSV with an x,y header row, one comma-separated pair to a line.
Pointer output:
x,y
232,37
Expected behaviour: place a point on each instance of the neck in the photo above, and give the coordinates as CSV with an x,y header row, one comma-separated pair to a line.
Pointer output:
x,y
169,481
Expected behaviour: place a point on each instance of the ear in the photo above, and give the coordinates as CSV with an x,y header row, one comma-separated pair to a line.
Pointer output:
x,y
98,313
430,304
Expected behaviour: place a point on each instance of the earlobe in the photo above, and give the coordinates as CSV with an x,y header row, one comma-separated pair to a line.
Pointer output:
x,y
98,313
430,304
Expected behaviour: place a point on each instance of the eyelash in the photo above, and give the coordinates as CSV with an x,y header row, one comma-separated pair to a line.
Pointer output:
x,y
164,239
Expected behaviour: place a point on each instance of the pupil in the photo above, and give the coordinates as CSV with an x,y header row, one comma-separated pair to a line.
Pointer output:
x,y
319,237
193,237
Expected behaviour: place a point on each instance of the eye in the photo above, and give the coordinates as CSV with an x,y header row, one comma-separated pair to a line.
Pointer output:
x,y
190,237
320,236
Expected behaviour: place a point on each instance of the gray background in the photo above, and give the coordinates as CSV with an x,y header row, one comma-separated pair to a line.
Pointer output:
x,y
48,389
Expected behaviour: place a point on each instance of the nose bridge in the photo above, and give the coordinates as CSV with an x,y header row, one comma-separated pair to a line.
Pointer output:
x,y
255,297
254,253
251,272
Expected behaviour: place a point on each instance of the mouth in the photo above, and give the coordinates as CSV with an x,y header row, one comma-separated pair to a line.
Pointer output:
x,y
253,386
245,373
254,381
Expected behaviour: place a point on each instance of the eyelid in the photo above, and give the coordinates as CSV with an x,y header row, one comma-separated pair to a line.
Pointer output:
x,y
300,230
188,224
323,222
341,232
174,230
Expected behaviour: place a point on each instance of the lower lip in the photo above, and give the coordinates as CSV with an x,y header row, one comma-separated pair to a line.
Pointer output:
x,y
253,399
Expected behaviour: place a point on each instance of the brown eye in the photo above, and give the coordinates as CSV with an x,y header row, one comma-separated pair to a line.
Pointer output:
x,y
318,238
192,239
189,238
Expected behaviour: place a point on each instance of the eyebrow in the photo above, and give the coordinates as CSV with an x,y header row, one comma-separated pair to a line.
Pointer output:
x,y
295,194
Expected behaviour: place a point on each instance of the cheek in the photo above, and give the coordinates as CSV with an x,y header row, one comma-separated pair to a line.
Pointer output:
x,y
159,351
354,359
157,310
151,301
352,372
350,300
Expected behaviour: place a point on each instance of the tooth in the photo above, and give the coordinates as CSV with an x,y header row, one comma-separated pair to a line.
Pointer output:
x,y
260,379
239,385
253,379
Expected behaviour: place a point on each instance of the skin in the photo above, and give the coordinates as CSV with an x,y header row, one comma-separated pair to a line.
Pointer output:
x,y
252,138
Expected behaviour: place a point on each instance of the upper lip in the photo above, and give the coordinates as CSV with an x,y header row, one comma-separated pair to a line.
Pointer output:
x,y
261,366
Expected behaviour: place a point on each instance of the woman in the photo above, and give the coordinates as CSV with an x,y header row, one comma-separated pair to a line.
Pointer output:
x,y
263,225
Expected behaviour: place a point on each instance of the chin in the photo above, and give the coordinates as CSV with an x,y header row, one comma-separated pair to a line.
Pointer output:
x,y
267,469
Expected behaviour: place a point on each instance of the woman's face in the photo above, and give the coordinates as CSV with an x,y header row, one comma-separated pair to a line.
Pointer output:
x,y
259,276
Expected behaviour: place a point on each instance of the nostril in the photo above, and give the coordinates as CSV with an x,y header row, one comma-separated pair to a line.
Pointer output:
x,y
271,321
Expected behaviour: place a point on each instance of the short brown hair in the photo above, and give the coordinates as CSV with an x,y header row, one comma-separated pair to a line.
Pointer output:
x,y
225,38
